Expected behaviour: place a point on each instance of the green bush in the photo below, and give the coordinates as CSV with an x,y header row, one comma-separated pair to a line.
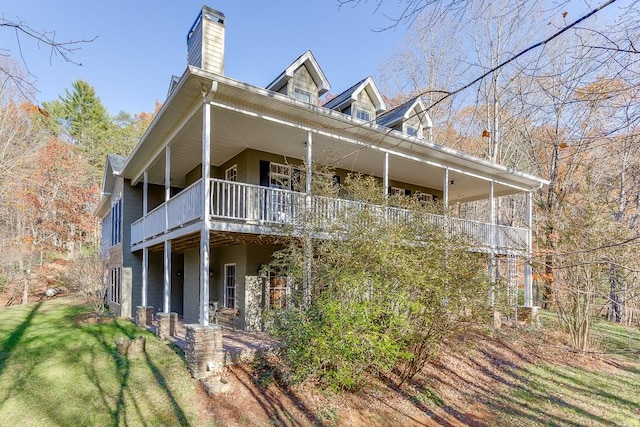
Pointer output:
x,y
383,296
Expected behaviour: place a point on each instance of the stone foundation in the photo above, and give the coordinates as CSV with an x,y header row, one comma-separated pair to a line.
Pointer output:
x,y
204,352
163,330
144,316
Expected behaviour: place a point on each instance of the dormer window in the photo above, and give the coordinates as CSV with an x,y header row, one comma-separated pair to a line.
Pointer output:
x,y
302,95
363,115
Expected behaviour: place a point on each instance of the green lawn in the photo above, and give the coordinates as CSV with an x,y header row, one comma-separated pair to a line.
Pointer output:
x,y
57,371
603,391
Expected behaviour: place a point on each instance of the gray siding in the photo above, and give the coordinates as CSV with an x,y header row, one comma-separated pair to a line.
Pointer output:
x,y
131,212
194,46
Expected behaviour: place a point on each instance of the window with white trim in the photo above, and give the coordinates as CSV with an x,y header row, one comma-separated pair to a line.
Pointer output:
x,y
116,222
423,198
115,284
395,191
302,95
279,176
231,174
363,115
230,286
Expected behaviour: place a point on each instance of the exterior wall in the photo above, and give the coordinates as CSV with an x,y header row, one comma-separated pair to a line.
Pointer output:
x,y
302,79
194,46
205,45
155,280
212,43
413,121
115,252
155,196
363,103
191,288
177,283
131,211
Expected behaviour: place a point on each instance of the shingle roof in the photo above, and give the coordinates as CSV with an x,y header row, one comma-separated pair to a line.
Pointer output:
x,y
392,117
116,161
343,96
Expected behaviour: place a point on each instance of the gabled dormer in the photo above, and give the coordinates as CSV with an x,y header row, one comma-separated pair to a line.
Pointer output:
x,y
410,118
361,101
302,80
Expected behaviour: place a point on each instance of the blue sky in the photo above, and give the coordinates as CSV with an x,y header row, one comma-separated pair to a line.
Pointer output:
x,y
141,43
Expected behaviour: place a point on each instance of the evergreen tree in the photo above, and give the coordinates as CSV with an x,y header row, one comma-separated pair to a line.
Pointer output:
x,y
80,117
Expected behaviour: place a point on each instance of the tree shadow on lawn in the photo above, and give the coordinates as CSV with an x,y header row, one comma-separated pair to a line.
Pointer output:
x,y
10,343
122,365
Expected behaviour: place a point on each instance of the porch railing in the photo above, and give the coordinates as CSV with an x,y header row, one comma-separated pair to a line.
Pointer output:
x,y
181,209
247,202
253,204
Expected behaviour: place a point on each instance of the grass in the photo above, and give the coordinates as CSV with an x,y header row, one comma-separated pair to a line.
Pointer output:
x,y
55,370
602,390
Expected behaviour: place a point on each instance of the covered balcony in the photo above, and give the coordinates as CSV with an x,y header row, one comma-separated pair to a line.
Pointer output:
x,y
246,208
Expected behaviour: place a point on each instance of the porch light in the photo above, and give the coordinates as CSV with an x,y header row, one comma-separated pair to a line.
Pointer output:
x,y
452,182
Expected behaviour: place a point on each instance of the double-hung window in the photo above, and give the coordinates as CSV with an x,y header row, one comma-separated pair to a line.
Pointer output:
x,y
115,284
116,222
230,286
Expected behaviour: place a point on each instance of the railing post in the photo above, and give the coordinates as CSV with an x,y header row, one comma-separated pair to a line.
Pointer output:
x,y
528,270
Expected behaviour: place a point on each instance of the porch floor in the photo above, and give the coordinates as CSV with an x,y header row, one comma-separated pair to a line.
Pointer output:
x,y
239,346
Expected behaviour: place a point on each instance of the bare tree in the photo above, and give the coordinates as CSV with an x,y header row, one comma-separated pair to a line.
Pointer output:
x,y
23,33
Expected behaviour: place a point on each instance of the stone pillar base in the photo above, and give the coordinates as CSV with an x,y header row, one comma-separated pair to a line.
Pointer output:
x,y
173,322
144,316
204,352
529,315
164,326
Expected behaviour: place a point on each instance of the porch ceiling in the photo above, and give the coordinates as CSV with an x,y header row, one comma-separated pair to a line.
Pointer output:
x,y
244,117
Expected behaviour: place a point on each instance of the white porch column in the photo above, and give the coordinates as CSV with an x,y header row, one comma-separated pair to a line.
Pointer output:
x,y
445,190
308,246
145,275
528,270
385,175
204,233
309,174
167,183
492,267
145,250
166,290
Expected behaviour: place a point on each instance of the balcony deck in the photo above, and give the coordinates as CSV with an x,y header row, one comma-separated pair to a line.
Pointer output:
x,y
245,208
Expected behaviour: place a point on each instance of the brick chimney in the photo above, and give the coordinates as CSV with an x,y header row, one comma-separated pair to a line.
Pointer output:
x,y
205,41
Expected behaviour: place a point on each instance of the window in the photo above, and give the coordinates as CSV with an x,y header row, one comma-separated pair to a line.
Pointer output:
x,y
230,286
423,198
363,115
412,131
280,176
116,222
302,95
231,174
278,292
395,191
115,285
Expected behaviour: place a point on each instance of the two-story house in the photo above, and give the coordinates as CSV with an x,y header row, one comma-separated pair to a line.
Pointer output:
x,y
192,215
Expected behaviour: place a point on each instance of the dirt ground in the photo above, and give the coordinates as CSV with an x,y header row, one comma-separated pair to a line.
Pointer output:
x,y
460,389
